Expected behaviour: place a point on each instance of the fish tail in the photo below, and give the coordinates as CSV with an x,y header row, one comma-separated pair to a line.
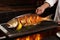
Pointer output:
x,y
48,17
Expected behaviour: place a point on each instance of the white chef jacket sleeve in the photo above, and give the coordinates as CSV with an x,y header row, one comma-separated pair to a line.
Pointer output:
x,y
51,2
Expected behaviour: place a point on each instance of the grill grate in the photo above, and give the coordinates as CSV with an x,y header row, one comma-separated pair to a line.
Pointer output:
x,y
45,25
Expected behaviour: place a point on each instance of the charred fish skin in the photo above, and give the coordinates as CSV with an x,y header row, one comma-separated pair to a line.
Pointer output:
x,y
12,23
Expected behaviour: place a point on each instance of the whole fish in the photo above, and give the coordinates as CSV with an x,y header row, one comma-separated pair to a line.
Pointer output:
x,y
26,20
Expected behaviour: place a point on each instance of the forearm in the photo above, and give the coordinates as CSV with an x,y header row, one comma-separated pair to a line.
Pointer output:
x,y
45,5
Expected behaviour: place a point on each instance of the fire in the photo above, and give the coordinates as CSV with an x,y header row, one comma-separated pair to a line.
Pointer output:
x,y
28,38
37,37
31,37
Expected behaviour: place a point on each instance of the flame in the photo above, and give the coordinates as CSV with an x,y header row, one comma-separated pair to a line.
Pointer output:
x,y
28,38
37,37
31,37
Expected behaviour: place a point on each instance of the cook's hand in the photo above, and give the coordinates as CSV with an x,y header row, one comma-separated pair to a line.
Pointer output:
x,y
42,8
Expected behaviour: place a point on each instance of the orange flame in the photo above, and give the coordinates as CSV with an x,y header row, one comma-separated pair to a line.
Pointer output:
x,y
31,37
37,37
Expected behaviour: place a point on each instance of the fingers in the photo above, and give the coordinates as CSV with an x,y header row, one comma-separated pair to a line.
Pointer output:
x,y
39,10
42,8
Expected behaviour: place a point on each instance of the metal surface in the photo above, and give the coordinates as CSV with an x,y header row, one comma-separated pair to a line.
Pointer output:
x,y
45,25
3,29
58,34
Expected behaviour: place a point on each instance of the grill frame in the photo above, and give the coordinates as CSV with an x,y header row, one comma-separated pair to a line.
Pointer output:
x,y
27,32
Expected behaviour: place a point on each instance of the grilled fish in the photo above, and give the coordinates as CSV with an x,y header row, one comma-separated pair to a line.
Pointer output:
x,y
25,20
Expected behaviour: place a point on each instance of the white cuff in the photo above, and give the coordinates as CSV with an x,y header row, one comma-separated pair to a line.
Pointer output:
x,y
51,2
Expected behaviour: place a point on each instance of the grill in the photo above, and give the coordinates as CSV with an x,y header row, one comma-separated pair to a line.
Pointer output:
x,y
44,29
8,10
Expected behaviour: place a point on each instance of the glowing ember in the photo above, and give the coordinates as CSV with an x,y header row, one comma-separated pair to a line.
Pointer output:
x,y
31,37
